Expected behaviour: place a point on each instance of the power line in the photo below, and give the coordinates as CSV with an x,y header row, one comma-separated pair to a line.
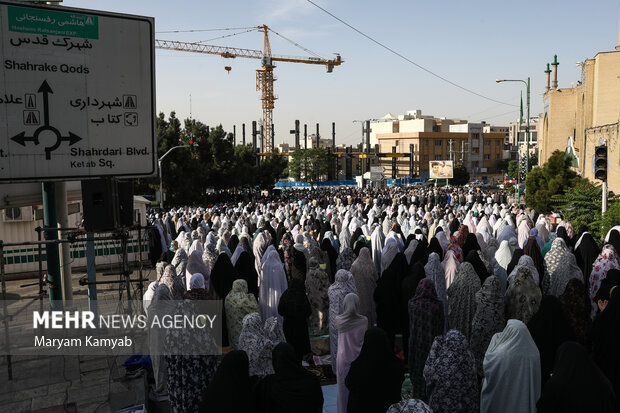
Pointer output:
x,y
409,60
296,44
206,30
227,35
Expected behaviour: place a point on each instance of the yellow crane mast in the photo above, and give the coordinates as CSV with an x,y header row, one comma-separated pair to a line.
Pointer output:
x,y
264,75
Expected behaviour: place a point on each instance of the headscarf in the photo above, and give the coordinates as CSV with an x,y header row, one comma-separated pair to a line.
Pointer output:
x,y
450,266
554,259
256,344
471,244
576,306
272,284
377,240
532,250
409,406
389,252
291,385
342,286
317,283
606,340
345,259
434,271
149,295
565,272
503,255
522,296
450,374
260,246
222,275
196,265
350,318
516,256
488,319
435,247
230,390
576,375
511,362
180,262
461,299
426,321
586,252
295,309
376,376
365,277
525,261
605,261
549,328
173,282
238,304
456,249
245,269
476,261
197,281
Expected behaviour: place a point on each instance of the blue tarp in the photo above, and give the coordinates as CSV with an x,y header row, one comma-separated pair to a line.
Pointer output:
x,y
403,181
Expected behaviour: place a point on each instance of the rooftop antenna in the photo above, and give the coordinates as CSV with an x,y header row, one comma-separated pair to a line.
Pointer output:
x,y
190,106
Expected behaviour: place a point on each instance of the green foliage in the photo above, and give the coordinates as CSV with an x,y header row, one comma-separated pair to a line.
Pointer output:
x,y
461,175
513,169
581,205
554,177
214,163
309,164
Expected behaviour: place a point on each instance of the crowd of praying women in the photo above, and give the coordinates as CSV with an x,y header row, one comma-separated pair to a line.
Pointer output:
x,y
486,305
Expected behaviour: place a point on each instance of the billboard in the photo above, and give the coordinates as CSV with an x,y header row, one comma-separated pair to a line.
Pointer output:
x,y
440,169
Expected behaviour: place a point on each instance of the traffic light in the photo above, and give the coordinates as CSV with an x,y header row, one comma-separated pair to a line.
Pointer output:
x,y
191,141
600,162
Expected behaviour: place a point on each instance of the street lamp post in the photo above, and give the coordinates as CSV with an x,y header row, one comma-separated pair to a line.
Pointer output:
x,y
161,174
527,127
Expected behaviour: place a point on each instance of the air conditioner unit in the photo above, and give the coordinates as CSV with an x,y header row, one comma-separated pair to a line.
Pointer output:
x,y
17,214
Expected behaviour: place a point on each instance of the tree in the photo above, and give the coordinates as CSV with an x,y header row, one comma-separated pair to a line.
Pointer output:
x,y
461,175
581,205
270,170
554,177
309,164
513,169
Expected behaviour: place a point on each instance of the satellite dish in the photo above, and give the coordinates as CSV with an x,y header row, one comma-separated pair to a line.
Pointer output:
x,y
228,68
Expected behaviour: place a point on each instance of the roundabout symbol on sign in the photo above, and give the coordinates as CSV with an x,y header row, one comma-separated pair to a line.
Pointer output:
x,y
21,137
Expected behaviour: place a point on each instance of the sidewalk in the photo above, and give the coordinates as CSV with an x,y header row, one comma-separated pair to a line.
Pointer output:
x,y
68,383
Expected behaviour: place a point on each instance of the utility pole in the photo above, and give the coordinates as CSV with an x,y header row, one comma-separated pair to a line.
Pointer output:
x,y
243,132
411,152
318,144
234,135
296,133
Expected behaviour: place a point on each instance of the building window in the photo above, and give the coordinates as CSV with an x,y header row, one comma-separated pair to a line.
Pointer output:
x,y
497,156
487,156
438,157
438,142
475,150
475,135
426,157
426,143
396,145
487,143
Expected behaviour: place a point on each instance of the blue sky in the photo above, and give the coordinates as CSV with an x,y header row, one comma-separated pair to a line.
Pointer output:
x,y
472,43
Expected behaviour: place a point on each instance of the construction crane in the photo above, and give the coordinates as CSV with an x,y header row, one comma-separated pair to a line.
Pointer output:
x,y
264,75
